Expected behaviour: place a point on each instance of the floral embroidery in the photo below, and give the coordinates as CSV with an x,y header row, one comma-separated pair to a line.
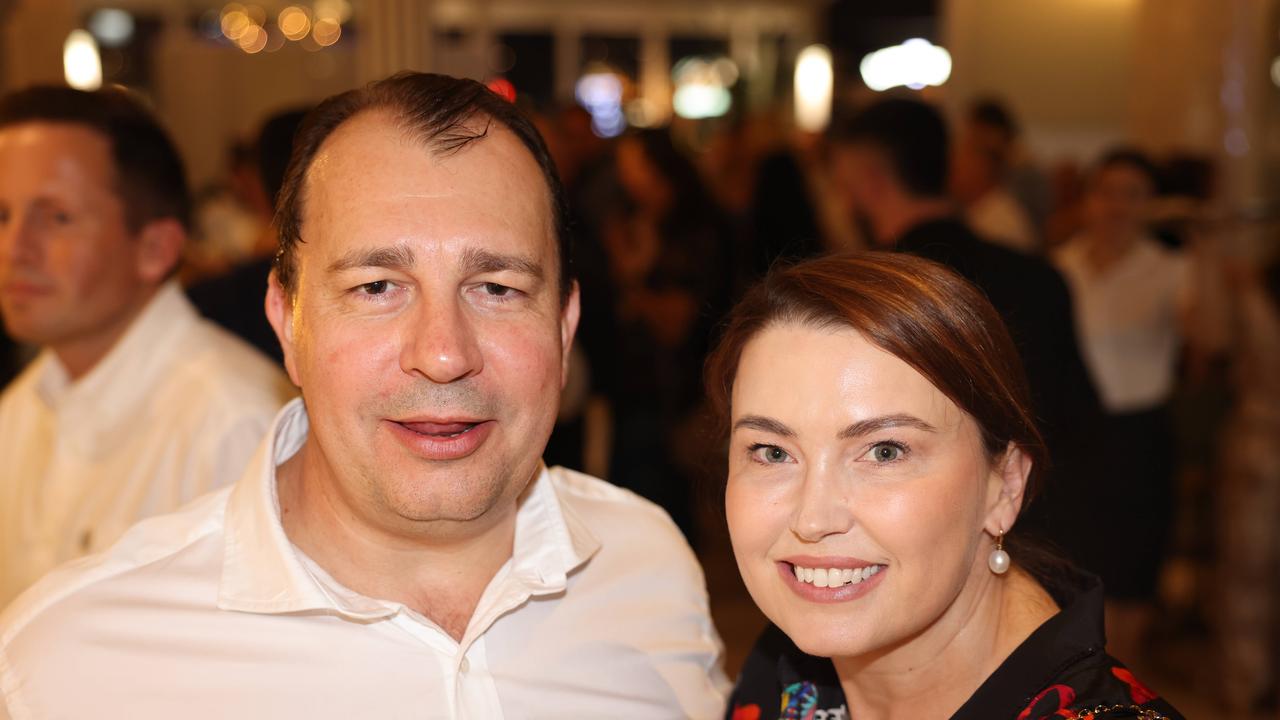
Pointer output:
x,y
799,701
1052,702
1140,693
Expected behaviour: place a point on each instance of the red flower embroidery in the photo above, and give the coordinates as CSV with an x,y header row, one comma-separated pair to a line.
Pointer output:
x,y
1065,695
1140,693
746,712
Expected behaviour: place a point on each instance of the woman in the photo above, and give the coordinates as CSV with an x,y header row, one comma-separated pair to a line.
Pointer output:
x,y
881,451
1132,298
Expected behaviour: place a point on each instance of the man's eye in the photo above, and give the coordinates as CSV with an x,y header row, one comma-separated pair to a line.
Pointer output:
x,y
497,290
377,287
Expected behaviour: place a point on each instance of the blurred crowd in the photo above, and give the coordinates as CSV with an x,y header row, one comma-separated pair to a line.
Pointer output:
x,y
1150,347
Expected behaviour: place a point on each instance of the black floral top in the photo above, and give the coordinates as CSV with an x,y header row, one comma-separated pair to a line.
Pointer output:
x,y
1060,672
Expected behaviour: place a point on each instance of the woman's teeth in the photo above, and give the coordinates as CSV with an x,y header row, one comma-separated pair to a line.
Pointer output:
x,y
834,577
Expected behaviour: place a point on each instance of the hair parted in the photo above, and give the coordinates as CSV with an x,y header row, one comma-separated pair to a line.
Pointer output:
x,y
446,114
150,179
913,308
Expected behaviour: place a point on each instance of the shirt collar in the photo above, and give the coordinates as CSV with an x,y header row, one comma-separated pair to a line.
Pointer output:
x,y
97,401
263,572
1075,632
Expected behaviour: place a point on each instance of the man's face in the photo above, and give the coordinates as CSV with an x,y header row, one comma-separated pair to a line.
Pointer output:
x,y
69,267
426,329
861,178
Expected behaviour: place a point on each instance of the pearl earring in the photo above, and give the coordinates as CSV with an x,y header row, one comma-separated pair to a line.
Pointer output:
x,y
998,561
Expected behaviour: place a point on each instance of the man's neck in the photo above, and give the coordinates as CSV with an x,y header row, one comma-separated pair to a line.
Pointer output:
x,y
81,354
438,569
895,218
935,672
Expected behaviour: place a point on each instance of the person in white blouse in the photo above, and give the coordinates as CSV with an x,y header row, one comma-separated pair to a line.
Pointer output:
x,y
135,405
397,548
1134,301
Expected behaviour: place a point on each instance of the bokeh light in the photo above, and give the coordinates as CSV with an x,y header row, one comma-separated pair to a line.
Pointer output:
x,y
813,86
81,63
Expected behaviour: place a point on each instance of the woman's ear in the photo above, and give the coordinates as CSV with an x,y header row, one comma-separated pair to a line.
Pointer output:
x,y
1007,484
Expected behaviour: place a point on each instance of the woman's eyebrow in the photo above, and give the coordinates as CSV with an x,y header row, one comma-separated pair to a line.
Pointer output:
x,y
764,424
870,425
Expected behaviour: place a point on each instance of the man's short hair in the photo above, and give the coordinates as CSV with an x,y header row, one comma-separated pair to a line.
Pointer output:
x,y
150,179
912,136
992,113
1132,158
443,112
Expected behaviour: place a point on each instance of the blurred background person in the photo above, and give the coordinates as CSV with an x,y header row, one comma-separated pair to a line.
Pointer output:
x,y
890,162
1134,311
982,176
135,405
667,249
233,298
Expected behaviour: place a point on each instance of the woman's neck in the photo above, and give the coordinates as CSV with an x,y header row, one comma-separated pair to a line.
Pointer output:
x,y
933,673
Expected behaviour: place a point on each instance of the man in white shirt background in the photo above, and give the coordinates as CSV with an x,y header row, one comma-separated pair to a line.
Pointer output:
x,y
135,405
397,548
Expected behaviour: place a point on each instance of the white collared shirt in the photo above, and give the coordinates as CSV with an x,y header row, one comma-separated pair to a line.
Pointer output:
x,y
211,612
1127,320
176,408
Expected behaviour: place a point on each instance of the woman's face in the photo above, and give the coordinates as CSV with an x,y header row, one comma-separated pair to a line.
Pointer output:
x,y
1119,200
846,463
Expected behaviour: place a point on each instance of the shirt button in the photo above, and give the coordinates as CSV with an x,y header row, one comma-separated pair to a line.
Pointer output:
x,y
464,666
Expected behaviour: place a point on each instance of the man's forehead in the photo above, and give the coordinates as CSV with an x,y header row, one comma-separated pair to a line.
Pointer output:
x,y
375,183
45,151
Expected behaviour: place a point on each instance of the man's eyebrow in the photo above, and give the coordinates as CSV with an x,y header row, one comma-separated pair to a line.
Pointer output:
x,y
764,424
476,261
394,257
870,425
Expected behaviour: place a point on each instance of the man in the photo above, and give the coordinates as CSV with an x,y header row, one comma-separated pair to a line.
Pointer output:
x,y
978,181
890,163
135,405
397,549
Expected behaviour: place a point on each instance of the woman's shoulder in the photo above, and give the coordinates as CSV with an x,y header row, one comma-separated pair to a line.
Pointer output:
x,y
1098,687
779,677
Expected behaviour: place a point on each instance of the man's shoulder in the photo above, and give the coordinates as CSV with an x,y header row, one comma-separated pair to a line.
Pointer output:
x,y
22,389
630,529
230,369
163,555
598,501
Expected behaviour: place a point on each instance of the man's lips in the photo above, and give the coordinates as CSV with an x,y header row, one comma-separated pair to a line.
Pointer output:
x,y
441,439
428,427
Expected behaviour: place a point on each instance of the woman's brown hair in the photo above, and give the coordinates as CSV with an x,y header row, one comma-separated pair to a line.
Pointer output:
x,y
915,309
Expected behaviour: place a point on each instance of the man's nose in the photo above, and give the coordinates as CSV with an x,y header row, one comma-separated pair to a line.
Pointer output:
x,y
823,506
18,241
441,343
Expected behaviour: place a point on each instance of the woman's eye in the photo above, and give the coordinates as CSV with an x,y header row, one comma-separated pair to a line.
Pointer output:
x,y
886,452
771,454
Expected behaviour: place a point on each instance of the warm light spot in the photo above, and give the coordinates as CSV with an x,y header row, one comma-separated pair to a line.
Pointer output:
x,y
253,39
813,87
502,87
326,32
294,22
81,63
